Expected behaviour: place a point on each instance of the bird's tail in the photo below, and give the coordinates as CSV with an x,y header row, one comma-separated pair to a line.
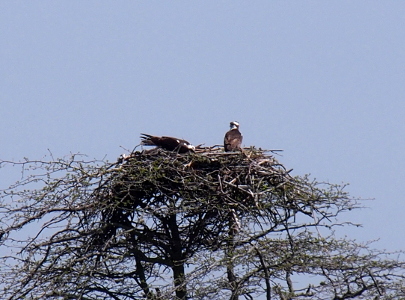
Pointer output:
x,y
146,139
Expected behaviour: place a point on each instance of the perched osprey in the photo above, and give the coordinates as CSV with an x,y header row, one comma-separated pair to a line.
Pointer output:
x,y
167,143
233,138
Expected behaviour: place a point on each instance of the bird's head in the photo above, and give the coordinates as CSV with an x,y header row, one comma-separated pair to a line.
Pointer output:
x,y
191,147
234,125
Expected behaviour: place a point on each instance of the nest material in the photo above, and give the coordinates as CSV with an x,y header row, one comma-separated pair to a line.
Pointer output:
x,y
207,175
207,192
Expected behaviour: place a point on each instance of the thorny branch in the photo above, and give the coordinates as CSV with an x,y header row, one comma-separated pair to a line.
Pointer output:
x,y
159,225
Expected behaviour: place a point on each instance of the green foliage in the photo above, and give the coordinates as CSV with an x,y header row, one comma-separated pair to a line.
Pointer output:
x,y
205,225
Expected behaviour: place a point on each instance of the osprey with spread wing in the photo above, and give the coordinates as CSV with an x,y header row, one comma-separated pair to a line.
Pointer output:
x,y
167,143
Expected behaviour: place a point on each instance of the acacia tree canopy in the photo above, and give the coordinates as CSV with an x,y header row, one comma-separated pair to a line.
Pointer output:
x,y
162,225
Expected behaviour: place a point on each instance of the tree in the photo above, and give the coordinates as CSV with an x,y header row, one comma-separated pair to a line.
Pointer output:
x,y
162,225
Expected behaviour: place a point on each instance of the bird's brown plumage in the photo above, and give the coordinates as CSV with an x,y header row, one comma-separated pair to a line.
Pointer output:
x,y
233,138
167,142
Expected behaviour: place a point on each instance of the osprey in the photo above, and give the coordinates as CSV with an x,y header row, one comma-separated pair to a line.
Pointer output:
x,y
233,138
167,143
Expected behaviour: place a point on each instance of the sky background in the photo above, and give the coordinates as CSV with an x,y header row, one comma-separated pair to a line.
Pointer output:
x,y
322,80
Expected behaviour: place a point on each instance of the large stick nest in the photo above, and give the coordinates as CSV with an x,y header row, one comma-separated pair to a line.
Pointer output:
x,y
203,189
232,178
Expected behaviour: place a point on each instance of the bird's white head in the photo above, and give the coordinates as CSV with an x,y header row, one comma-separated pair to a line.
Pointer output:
x,y
191,147
234,125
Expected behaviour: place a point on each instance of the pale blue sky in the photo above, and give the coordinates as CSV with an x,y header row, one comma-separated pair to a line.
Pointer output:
x,y
323,80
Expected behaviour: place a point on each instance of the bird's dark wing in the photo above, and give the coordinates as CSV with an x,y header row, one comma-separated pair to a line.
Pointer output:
x,y
232,140
166,142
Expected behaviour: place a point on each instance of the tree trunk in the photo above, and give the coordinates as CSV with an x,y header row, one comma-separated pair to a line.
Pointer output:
x,y
230,253
177,259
